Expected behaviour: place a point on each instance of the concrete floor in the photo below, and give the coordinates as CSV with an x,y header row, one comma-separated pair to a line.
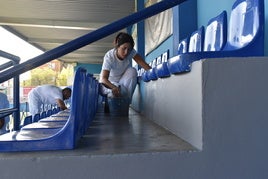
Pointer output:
x,y
132,134
117,135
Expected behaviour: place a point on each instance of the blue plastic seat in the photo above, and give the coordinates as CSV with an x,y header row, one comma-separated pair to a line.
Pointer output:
x,y
27,120
196,43
96,96
183,46
49,112
42,126
43,115
36,117
245,37
162,68
64,113
54,110
216,33
88,111
60,117
151,74
246,28
159,68
52,122
144,75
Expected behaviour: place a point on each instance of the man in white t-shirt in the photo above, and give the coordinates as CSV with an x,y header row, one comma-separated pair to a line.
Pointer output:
x,y
45,95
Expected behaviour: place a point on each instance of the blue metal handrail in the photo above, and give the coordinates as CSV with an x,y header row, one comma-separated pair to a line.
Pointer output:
x,y
13,60
7,112
88,38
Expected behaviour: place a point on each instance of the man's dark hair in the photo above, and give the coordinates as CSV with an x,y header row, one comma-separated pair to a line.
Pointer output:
x,y
67,89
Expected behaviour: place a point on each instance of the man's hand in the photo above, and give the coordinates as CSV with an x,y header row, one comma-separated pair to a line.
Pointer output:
x,y
61,104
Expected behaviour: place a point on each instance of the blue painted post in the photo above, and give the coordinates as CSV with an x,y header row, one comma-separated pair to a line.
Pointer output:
x,y
141,32
16,101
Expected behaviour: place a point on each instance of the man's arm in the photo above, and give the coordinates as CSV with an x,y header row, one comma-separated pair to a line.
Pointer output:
x,y
61,104
141,62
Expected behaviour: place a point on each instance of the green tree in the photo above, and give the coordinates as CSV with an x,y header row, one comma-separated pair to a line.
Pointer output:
x,y
40,76
64,76
45,75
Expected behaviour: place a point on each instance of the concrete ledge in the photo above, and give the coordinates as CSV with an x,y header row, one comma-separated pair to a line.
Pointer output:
x,y
182,103
176,104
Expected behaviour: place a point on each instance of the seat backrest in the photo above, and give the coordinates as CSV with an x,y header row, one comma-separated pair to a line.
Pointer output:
x,y
49,112
246,24
54,110
183,46
88,104
43,115
216,33
36,117
158,60
165,57
78,98
27,120
196,40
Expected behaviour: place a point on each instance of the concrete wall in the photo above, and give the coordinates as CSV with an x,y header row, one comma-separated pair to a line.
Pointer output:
x,y
176,104
234,130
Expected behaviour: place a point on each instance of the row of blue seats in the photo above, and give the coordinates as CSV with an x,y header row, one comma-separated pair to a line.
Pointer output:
x,y
35,118
244,38
154,73
63,129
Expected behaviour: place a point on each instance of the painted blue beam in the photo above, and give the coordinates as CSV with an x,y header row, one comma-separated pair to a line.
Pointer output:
x,y
88,38
13,60
6,65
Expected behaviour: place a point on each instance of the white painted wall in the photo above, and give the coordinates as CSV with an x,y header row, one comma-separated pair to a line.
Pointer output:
x,y
176,104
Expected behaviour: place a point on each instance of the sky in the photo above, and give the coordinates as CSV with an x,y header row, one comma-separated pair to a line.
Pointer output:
x,y
12,44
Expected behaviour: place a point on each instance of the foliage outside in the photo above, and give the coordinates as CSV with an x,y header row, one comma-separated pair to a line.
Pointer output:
x,y
46,75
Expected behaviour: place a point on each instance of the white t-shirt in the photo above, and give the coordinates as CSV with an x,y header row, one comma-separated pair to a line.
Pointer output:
x,y
115,66
48,94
